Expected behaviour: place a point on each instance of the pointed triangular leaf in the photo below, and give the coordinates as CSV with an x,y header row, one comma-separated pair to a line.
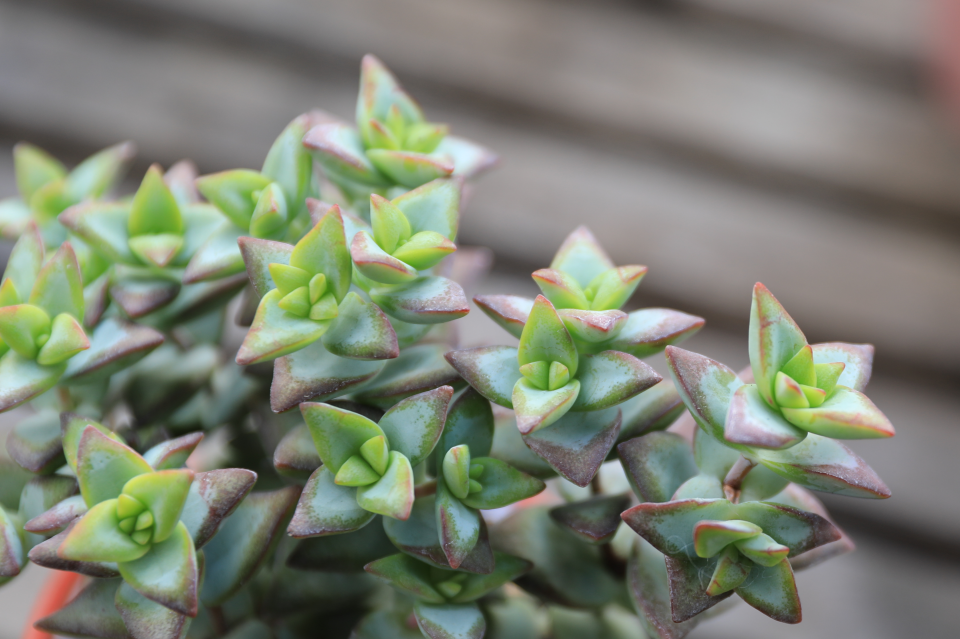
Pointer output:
x,y
537,409
326,508
167,574
164,493
232,192
595,520
657,464
46,554
408,168
23,379
774,339
418,369
339,150
295,455
561,289
509,311
594,327
650,591
413,426
258,255
419,536
545,338
361,331
25,262
392,495
581,256
34,443
313,373
469,159
288,163
12,555
172,453
773,592
96,175
58,288
275,332
751,422
435,206
57,517
507,568
652,410
610,378
501,485
847,414
650,330
244,540
705,386
492,370
426,300
458,525
325,249
96,537
689,579
669,526
378,265
139,294
90,614
146,619
823,464
219,256
115,344
577,444
337,434
857,360
104,466
213,496
470,422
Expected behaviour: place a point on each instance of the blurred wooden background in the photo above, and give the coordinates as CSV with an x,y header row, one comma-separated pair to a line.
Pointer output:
x,y
719,142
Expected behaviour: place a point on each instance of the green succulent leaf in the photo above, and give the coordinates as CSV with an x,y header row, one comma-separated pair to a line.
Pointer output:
x,y
510,312
258,255
276,332
425,300
12,550
424,250
593,327
326,508
823,464
392,495
114,345
105,465
752,422
856,358
24,328
232,192
561,289
288,163
378,265
649,588
347,552
337,434
648,331
97,174
168,573
581,256
414,425
97,537
463,621
657,464
34,168
491,370
172,453
34,443
146,619
435,207
469,422
154,209
313,373
339,149
325,249
537,409
705,386
501,484
408,168
545,338
361,331
219,256
164,493
774,339
90,614
66,339
469,159
23,266
610,378
213,496
654,409
23,379
611,289
577,444
847,414
458,525
710,537
245,540
407,575
773,591
595,520
390,225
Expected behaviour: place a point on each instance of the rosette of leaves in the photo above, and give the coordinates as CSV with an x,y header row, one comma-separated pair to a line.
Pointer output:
x,y
47,188
750,419
41,308
266,204
367,466
149,239
307,297
392,144
445,600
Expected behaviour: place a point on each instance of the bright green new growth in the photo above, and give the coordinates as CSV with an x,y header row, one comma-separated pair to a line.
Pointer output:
x,y
112,338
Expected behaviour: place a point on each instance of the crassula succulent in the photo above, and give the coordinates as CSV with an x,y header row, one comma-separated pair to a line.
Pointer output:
x,y
345,465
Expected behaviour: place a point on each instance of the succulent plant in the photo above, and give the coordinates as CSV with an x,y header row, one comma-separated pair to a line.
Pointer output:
x,y
398,501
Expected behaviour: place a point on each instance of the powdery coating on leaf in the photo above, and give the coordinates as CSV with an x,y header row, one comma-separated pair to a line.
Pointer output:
x,y
509,311
577,444
595,520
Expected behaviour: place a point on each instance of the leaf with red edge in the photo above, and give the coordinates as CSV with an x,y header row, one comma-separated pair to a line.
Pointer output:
x,y
96,537
275,332
824,464
458,525
752,422
104,466
313,373
648,331
435,206
413,426
610,378
425,300
327,509
258,254
774,339
689,579
295,455
34,443
418,369
537,408
408,168
492,370
46,554
469,158
213,496
173,453
463,621
657,464
361,331
649,589
11,547
577,444
58,288
168,573
654,409
339,150
245,539
857,360
510,312
392,495
23,379
581,256
595,520
846,414
705,386
114,345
